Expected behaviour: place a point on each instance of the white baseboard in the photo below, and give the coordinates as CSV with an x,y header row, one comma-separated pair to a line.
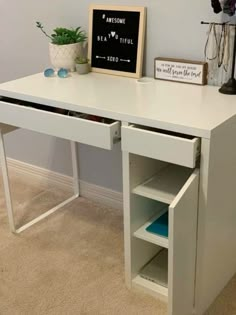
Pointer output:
x,y
96,193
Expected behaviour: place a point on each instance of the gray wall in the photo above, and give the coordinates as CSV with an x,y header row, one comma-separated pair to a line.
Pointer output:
x,y
173,30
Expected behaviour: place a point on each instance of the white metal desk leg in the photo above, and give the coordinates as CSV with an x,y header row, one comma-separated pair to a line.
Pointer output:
x,y
75,168
3,162
74,157
6,184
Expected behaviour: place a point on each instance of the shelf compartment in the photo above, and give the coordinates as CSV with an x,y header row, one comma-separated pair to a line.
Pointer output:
x,y
156,270
165,185
143,234
151,288
159,226
154,275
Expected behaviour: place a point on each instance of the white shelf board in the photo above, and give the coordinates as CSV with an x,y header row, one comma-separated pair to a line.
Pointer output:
x,y
152,288
165,185
151,237
156,269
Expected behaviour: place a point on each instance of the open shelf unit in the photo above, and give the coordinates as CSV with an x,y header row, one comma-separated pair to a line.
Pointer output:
x,y
156,188
164,185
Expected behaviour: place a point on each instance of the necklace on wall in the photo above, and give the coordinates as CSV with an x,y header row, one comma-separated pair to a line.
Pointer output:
x,y
221,51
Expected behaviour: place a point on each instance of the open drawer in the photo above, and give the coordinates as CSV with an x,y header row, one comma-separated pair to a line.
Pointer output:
x,y
180,201
162,145
102,135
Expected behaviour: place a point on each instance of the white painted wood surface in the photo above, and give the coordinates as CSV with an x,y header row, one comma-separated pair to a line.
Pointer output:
x,y
141,209
156,270
216,262
151,288
156,274
143,168
160,146
126,209
165,185
137,211
183,108
63,126
181,242
151,237
182,248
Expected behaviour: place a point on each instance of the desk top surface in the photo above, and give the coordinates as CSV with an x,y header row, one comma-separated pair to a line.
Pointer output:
x,y
179,107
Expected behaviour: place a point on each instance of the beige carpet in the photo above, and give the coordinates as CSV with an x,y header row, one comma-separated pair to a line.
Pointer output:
x,y
72,262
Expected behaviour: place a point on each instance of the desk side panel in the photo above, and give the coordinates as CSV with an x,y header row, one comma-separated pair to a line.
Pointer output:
x,y
216,256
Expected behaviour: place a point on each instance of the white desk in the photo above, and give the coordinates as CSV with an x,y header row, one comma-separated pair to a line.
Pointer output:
x,y
159,168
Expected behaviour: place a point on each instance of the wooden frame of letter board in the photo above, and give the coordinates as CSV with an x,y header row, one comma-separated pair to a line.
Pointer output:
x,y
142,25
202,63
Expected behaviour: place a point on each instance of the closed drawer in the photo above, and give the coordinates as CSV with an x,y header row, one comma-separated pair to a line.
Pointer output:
x,y
171,147
102,135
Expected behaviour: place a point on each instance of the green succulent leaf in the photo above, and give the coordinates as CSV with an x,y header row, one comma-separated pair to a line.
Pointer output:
x,y
81,59
64,36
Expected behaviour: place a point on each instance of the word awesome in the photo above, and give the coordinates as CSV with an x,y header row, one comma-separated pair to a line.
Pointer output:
x,y
115,20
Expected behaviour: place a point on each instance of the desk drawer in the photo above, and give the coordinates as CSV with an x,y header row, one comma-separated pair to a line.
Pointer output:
x,y
102,135
170,147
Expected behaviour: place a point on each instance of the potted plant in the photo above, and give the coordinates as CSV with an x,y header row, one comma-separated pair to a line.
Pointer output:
x,y
65,45
82,65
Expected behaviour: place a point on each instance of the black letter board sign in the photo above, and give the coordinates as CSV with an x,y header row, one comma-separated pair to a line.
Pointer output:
x,y
116,39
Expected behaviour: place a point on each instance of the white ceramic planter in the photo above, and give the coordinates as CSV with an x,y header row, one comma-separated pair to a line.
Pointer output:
x,y
63,56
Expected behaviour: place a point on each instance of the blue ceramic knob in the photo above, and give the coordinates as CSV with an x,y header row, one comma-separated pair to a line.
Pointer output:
x,y
62,73
49,73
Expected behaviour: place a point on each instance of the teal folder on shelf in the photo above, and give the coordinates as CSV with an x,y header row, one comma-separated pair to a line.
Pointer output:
x,y
159,226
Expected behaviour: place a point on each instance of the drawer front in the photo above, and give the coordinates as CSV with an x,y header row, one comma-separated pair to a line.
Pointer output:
x,y
76,129
160,146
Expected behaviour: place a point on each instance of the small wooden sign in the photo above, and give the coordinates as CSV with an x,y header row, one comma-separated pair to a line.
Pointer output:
x,y
181,70
116,39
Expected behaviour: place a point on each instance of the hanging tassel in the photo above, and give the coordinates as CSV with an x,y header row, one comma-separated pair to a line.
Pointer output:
x,y
227,49
216,6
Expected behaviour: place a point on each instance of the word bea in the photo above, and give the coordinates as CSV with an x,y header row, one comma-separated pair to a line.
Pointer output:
x,y
113,35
